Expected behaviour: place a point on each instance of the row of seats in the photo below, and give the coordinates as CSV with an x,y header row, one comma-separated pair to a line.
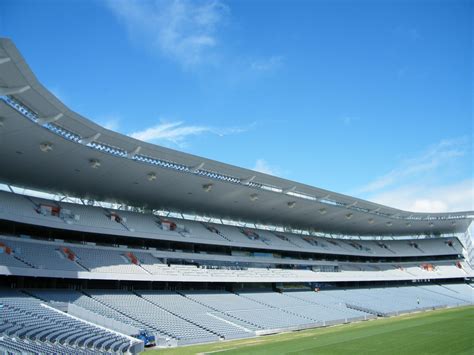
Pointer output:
x,y
161,321
270,310
304,305
195,313
199,316
390,301
27,324
13,345
148,225
28,253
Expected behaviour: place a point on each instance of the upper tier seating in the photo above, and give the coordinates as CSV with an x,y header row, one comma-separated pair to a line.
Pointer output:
x,y
80,217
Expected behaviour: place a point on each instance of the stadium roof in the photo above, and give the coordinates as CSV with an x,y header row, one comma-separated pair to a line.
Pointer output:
x,y
44,145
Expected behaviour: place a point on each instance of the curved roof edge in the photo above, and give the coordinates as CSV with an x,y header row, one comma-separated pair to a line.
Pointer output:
x,y
293,204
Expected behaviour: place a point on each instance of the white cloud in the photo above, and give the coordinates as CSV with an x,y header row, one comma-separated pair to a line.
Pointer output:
x,y
111,121
420,198
262,166
432,159
112,124
175,132
181,29
267,65
178,132
419,184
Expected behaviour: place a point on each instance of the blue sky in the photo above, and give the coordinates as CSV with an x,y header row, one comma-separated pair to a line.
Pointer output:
x,y
368,98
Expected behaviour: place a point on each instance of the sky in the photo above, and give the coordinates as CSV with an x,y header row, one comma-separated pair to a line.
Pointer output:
x,y
369,98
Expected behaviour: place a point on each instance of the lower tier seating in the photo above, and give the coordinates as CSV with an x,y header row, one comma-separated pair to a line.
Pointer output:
x,y
29,325
31,320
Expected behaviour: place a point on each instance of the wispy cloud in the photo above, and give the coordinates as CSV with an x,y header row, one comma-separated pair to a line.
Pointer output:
x,y
181,29
431,159
453,197
112,124
262,166
419,183
178,132
109,121
267,64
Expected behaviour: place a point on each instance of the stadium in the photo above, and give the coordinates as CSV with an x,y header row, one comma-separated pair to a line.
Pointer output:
x,y
119,245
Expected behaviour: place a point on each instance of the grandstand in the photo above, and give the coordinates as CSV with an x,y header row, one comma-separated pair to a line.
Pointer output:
x,y
104,237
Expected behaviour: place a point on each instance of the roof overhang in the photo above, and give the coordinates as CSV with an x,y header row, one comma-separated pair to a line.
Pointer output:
x,y
44,145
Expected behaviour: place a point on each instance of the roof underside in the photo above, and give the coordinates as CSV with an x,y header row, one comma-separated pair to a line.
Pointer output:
x,y
185,183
